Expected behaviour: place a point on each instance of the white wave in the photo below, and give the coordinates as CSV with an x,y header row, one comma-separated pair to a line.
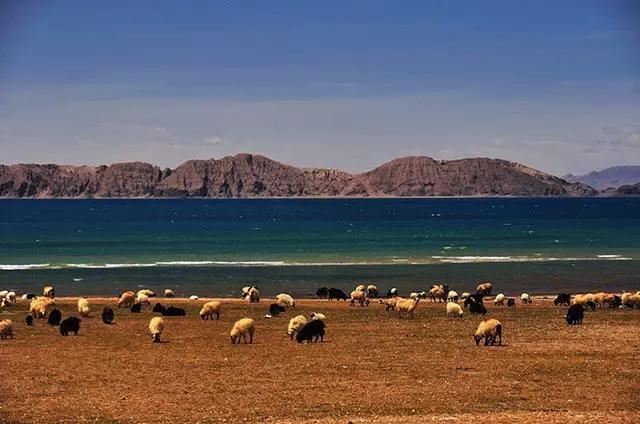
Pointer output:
x,y
77,279
10,267
479,259
185,262
609,256
95,266
249,263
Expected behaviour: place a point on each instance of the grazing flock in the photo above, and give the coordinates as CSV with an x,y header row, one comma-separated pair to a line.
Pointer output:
x,y
312,328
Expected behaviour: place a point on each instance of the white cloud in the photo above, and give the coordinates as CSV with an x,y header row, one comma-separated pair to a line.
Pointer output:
x,y
213,140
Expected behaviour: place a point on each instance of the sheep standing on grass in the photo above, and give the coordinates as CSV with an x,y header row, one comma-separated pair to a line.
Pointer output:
x,y
437,293
142,300
499,300
70,325
312,331
490,330
146,292
83,307
126,299
156,327
169,293
54,317
453,309
317,315
39,306
393,292
563,299
405,307
575,314
360,297
241,329
372,291
295,324
484,288
6,329
107,315
452,296
525,298
511,302
390,304
284,299
322,293
337,294
49,291
362,288
210,309
28,320
465,295
585,300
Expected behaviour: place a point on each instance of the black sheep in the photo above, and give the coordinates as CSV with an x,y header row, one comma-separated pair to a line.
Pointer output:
x,y
591,305
29,320
107,315
474,298
563,299
275,309
477,308
54,317
136,308
174,312
511,302
70,325
337,294
312,331
159,308
322,293
372,292
575,314
616,302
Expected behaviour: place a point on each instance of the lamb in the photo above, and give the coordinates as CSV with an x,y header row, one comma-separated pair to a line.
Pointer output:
x,y
6,329
126,299
210,309
337,294
284,299
49,291
575,314
295,324
511,302
317,315
68,325
28,320
146,292
54,317
83,307
169,293
372,291
322,293
453,309
484,288
275,309
499,300
156,327
490,330
241,329
452,296
563,299
107,315
406,307
311,331
393,292
360,297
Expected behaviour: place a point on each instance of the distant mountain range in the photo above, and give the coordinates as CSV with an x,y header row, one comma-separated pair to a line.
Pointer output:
x,y
246,175
613,177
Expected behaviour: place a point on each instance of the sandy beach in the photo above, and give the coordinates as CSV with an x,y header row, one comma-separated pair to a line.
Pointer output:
x,y
372,367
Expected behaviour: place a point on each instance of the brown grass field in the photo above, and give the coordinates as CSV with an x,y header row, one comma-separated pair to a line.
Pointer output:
x,y
372,367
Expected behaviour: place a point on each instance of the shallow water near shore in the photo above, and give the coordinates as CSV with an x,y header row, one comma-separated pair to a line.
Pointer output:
x,y
210,246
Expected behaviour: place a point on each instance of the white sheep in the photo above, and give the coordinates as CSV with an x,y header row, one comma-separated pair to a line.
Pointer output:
x,y
317,315
6,329
525,298
3,293
49,291
361,287
405,307
452,296
499,300
295,324
241,329
169,293
193,297
453,309
284,299
127,299
143,300
210,309
83,307
145,292
11,297
490,330
360,297
465,295
156,327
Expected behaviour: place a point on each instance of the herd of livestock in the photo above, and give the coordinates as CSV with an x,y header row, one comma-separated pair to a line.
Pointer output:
x,y
312,328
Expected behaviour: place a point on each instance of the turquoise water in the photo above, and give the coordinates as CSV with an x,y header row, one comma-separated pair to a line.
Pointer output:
x,y
99,246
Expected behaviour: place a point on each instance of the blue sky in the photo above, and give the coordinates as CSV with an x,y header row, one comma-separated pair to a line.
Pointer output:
x,y
553,84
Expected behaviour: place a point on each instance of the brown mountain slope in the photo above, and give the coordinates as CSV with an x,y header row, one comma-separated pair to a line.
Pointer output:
x,y
246,175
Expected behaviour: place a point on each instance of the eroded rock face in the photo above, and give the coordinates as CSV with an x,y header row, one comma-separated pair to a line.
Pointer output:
x,y
246,175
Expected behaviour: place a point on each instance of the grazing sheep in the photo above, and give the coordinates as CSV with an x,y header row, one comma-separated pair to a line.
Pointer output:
x,y
49,291
170,311
337,294
392,292
27,296
9,298
312,331
169,293
437,293
475,303
465,295
526,298
295,324
254,295
126,299
6,329
146,292
499,300
484,288
54,317
575,314
241,329
624,296
585,300
107,315
39,306
563,299
135,308
284,299
143,300
613,301
361,287
418,295
632,301
598,298
210,309
68,325
390,304
317,315
511,302
83,307
453,309
156,327
322,293
490,330
193,297
275,309
3,293
452,296
406,307
360,297
372,291
28,320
